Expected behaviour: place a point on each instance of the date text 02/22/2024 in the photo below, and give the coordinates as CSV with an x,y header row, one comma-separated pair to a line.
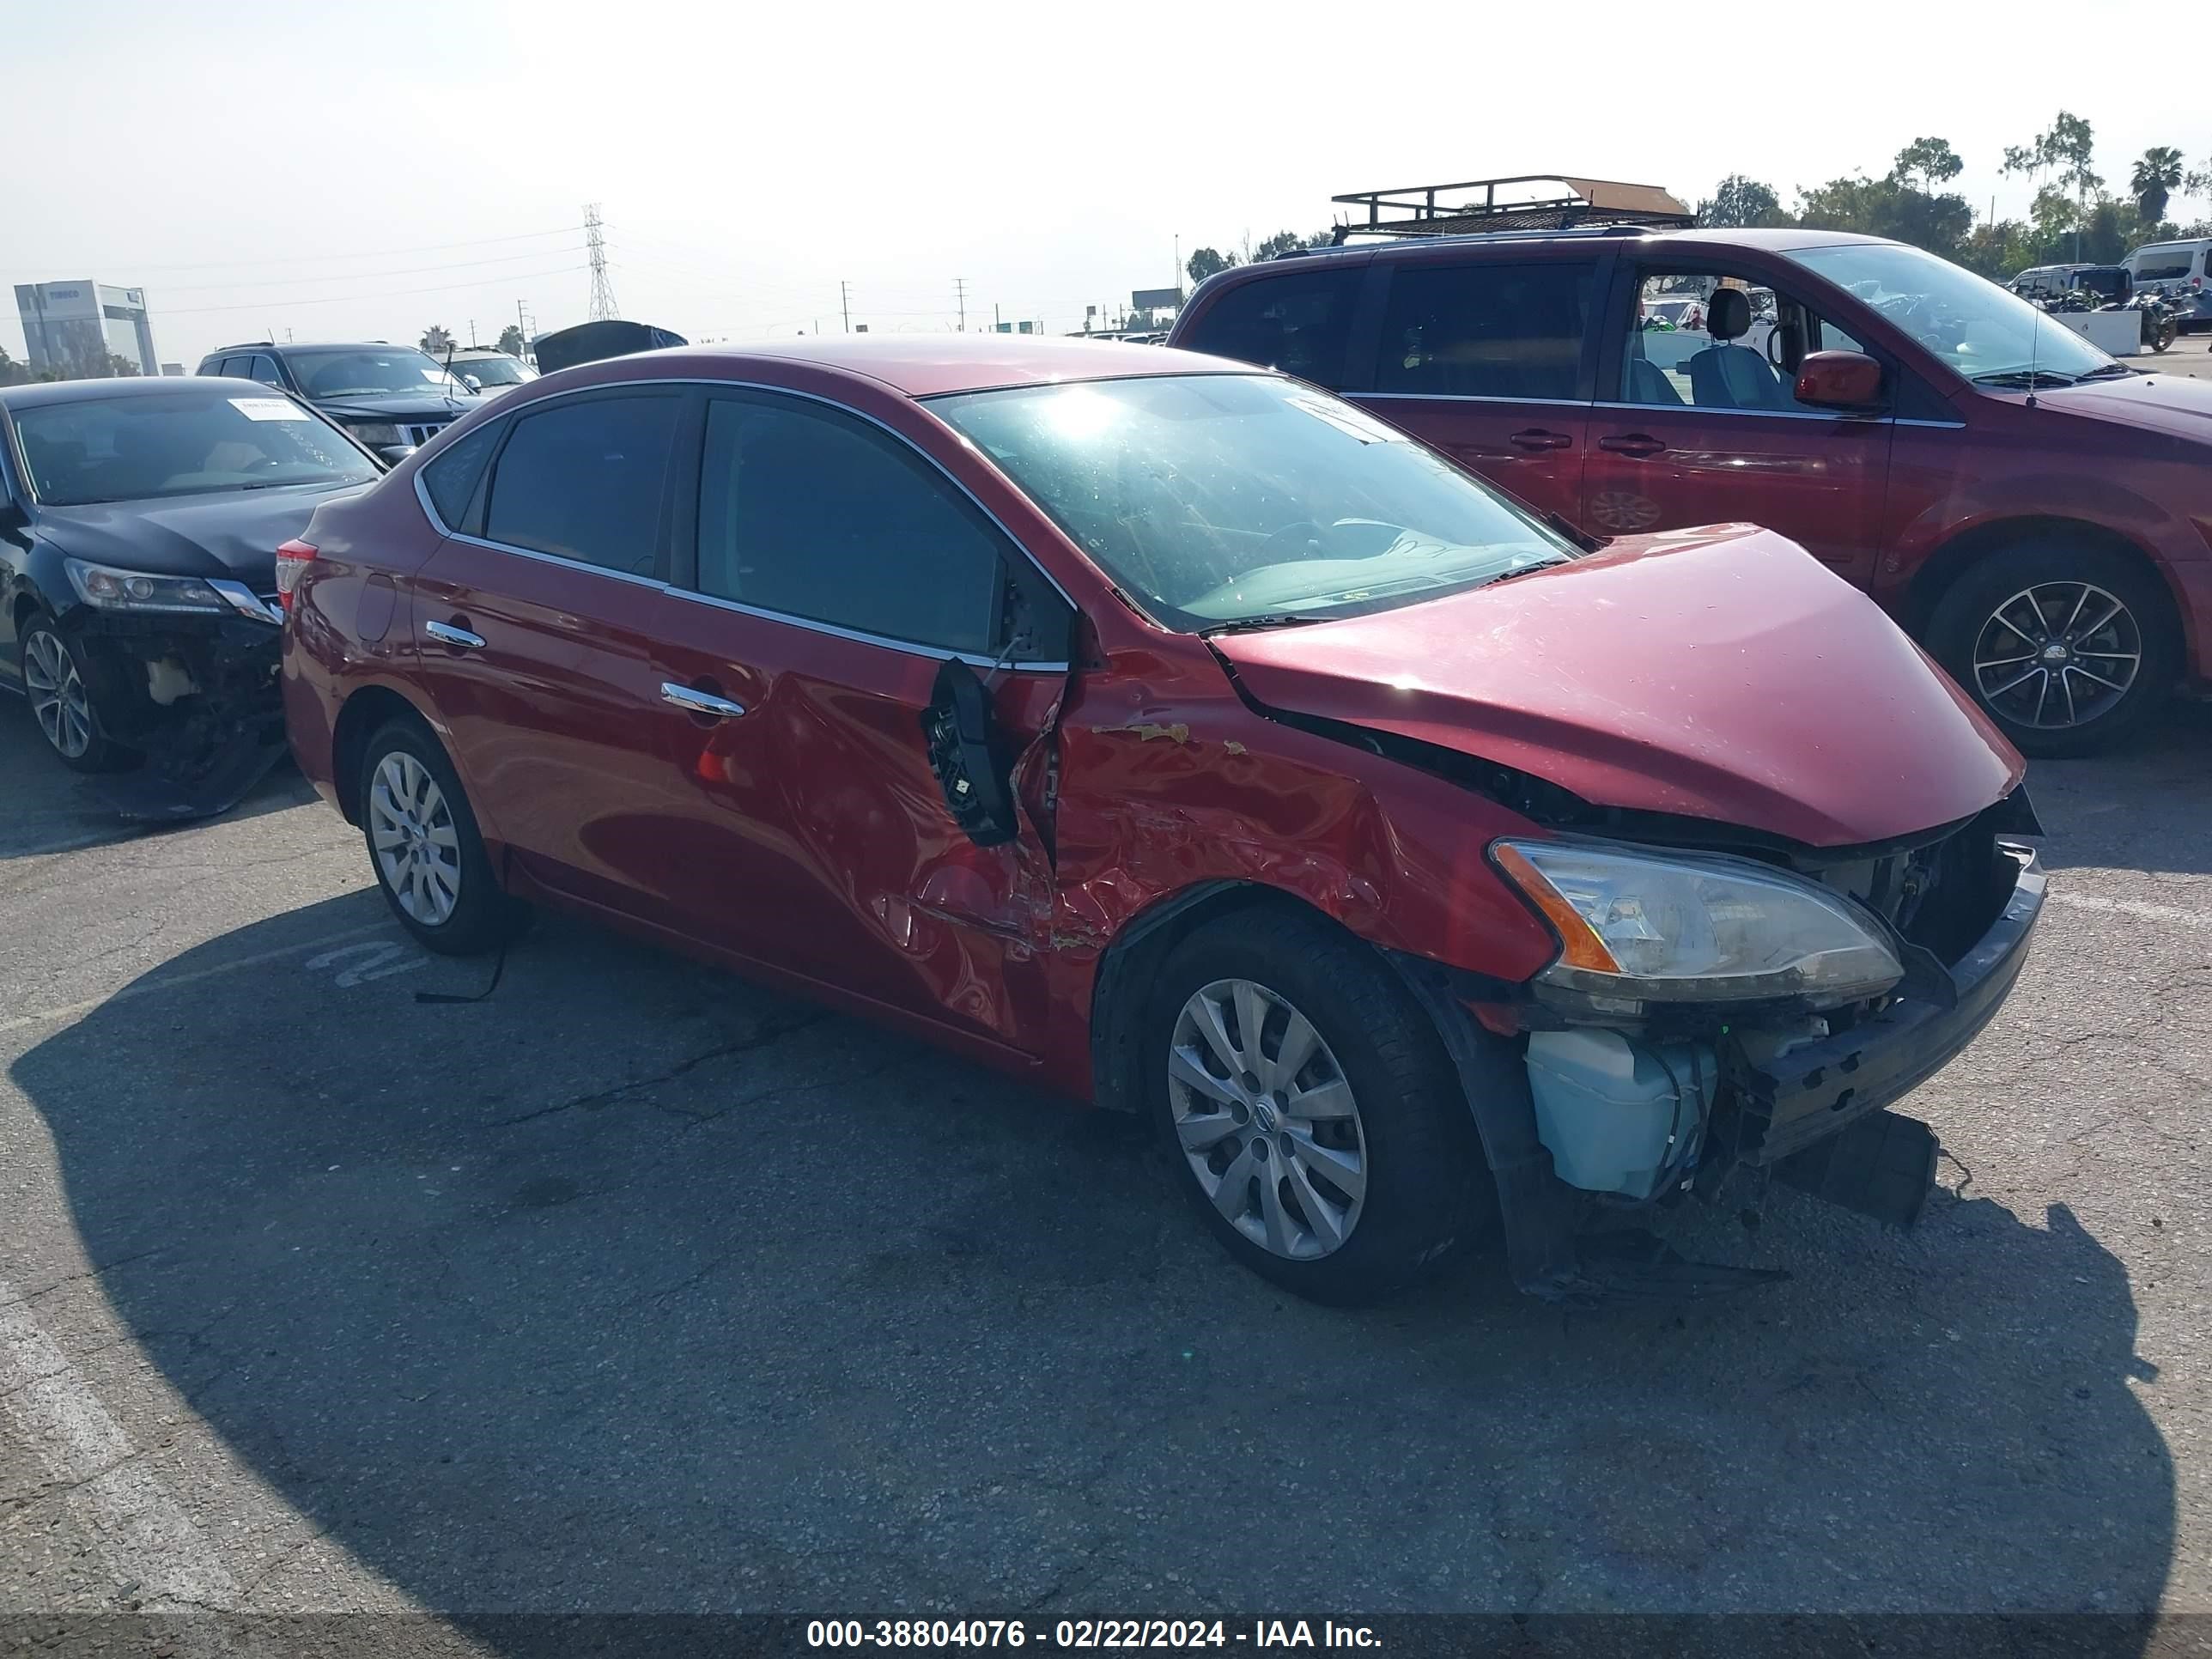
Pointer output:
x,y
1080,1633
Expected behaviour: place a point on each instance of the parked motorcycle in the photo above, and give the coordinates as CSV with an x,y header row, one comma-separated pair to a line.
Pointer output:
x,y
2160,323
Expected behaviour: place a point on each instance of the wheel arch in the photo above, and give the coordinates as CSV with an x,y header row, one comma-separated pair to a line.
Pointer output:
x,y
1139,950
364,712
1952,559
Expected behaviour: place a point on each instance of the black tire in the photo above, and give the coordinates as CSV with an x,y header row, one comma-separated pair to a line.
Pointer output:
x,y
2150,631
1428,1192
101,753
482,917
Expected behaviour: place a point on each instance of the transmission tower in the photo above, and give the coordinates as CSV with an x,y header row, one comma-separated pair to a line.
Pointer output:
x,y
595,243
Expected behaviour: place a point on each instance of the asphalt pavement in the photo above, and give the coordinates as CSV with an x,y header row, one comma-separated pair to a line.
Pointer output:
x,y
633,1288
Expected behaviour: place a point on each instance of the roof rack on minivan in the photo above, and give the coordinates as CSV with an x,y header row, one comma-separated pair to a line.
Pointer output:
x,y
1415,210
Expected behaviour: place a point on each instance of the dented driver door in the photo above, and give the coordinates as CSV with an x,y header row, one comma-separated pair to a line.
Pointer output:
x,y
836,574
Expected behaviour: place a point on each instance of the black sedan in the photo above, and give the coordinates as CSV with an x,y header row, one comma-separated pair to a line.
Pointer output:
x,y
139,523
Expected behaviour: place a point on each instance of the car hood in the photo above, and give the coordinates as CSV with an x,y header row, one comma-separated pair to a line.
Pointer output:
x,y
2170,403
1720,673
235,534
397,406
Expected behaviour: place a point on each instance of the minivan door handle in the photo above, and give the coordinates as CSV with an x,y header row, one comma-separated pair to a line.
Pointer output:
x,y
1631,443
693,701
450,635
1537,437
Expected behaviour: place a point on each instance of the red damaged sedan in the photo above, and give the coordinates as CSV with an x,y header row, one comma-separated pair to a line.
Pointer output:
x,y
1176,736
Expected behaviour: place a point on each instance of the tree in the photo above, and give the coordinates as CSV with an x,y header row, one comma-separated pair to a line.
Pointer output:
x,y
2068,149
1283,241
120,367
1207,262
436,341
2156,176
511,341
1927,162
1742,202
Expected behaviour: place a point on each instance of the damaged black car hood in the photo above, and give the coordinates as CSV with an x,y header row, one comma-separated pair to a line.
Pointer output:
x,y
232,534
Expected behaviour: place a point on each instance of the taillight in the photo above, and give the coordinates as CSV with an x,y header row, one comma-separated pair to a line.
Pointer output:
x,y
2197,282
291,563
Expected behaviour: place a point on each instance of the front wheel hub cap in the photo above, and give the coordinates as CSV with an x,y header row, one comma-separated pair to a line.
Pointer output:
x,y
1266,1119
2058,654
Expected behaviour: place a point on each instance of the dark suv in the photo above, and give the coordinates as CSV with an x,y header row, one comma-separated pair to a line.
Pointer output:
x,y
391,398
2034,512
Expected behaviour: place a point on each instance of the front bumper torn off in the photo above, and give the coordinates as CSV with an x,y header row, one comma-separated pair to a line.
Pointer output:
x,y
1557,1246
197,695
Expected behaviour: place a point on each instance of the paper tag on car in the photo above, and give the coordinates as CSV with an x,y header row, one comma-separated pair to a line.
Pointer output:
x,y
269,409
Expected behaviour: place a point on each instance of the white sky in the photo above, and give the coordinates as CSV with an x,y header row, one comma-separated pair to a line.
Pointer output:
x,y
370,169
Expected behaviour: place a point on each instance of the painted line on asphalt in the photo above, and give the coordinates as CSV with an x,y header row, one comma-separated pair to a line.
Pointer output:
x,y
144,1533
146,987
2136,907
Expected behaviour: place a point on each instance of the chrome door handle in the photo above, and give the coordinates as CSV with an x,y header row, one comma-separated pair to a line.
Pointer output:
x,y
700,702
453,636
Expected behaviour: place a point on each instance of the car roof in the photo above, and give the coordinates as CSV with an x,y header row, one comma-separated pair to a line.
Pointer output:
x,y
44,393
1645,239
930,365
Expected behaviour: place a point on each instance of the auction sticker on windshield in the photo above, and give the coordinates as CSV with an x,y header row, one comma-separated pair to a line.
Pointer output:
x,y
269,409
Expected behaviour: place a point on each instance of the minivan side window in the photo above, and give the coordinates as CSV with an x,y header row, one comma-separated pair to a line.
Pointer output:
x,y
1706,341
582,480
1299,323
2163,264
815,515
1486,331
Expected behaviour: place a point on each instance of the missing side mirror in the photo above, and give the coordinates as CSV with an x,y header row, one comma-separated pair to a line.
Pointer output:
x,y
967,757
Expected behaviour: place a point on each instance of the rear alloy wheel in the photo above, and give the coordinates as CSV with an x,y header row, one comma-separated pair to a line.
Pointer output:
x,y
424,846
1308,1110
61,702
2067,649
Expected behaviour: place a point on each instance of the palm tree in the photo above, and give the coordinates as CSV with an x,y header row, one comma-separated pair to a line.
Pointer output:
x,y
2157,175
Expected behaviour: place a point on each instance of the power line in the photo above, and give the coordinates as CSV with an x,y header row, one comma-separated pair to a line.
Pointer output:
x,y
341,299
603,294
356,276
303,258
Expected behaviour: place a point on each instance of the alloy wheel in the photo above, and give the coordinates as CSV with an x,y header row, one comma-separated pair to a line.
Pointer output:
x,y
410,827
57,695
1266,1119
2058,654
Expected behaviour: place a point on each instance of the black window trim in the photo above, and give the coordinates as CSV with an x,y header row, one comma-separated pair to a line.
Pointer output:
x,y
682,483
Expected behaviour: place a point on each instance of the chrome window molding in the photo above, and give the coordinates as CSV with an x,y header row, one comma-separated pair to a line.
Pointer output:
x,y
932,652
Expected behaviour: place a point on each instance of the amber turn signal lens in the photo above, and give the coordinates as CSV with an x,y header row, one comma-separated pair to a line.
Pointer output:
x,y
1582,947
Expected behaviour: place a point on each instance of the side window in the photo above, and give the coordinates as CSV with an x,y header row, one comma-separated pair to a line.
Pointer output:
x,y
449,481
813,514
1486,331
1299,322
1706,341
583,480
265,370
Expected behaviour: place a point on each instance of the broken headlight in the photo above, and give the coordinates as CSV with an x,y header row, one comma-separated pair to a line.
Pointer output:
x,y
1637,926
110,589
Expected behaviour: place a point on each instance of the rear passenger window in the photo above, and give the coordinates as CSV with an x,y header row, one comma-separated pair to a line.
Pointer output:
x,y
2164,264
811,515
583,480
449,481
1486,331
1299,323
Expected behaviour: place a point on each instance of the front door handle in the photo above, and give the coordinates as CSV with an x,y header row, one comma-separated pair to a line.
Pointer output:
x,y
453,636
693,700
1631,443
1537,437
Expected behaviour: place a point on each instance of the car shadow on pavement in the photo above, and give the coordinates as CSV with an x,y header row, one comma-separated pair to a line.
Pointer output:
x,y
636,1289
52,809
2143,807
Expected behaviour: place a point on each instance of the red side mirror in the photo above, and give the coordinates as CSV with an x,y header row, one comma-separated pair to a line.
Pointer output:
x,y
1840,379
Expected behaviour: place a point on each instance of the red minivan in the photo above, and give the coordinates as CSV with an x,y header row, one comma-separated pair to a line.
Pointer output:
x,y
2032,510
1178,737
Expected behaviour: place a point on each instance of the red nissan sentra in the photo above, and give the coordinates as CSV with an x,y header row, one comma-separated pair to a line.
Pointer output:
x,y
1181,738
